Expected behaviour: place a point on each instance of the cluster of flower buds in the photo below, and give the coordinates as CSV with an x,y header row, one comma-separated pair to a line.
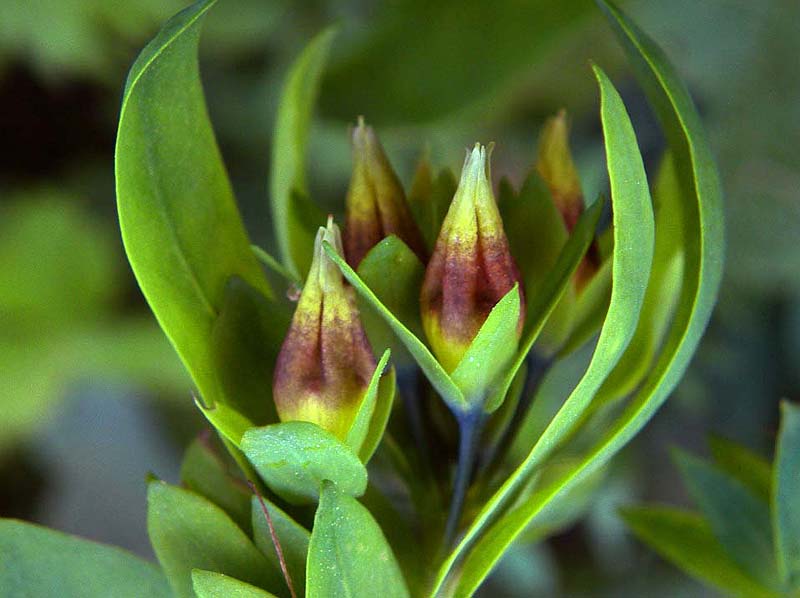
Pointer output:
x,y
326,363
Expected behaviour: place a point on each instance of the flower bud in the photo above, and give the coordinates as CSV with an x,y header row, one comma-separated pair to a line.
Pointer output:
x,y
325,364
471,267
376,205
555,165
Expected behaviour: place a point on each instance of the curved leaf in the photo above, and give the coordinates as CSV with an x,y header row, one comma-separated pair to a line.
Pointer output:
x,y
35,561
294,228
633,251
180,226
348,555
702,231
188,532
209,584
359,429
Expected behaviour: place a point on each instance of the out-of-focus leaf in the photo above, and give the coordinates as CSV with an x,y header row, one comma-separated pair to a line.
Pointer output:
x,y
295,217
687,541
348,552
209,584
293,458
399,292
429,199
203,472
35,561
739,519
427,362
753,471
188,532
786,495
419,62
180,226
292,536
633,252
246,338
487,356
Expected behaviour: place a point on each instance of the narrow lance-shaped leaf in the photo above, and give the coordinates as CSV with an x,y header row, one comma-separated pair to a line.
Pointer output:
x,y
702,226
180,226
633,251
294,231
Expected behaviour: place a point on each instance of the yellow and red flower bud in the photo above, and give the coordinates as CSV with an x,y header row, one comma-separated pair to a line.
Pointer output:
x,y
376,204
471,267
325,364
555,165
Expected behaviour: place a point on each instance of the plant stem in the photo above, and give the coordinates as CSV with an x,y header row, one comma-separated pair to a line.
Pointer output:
x,y
470,426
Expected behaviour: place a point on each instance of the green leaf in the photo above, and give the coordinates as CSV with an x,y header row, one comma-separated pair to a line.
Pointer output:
x,y
633,251
739,520
588,310
752,471
435,373
294,231
362,424
348,555
663,290
293,458
398,292
180,226
550,292
227,421
687,541
275,266
786,490
486,358
44,563
188,532
246,339
387,388
209,584
204,472
292,536
429,202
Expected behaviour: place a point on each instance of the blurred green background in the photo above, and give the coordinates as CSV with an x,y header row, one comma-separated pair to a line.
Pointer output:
x,y
91,394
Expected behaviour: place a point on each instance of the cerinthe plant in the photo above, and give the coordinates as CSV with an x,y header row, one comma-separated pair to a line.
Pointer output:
x,y
445,295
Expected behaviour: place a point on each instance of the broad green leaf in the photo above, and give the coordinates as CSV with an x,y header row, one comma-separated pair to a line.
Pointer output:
x,y
188,532
292,536
549,294
435,373
293,213
43,563
663,290
387,388
362,423
702,229
399,292
293,458
227,421
204,472
348,555
739,519
209,584
488,355
786,495
752,470
180,226
633,251
687,541
246,339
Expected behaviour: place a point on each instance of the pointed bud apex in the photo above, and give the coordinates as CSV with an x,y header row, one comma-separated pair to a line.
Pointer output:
x,y
470,269
376,204
325,364
555,165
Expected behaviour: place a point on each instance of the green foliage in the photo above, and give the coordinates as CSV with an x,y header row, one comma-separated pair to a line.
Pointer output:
x,y
39,562
744,540
208,584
